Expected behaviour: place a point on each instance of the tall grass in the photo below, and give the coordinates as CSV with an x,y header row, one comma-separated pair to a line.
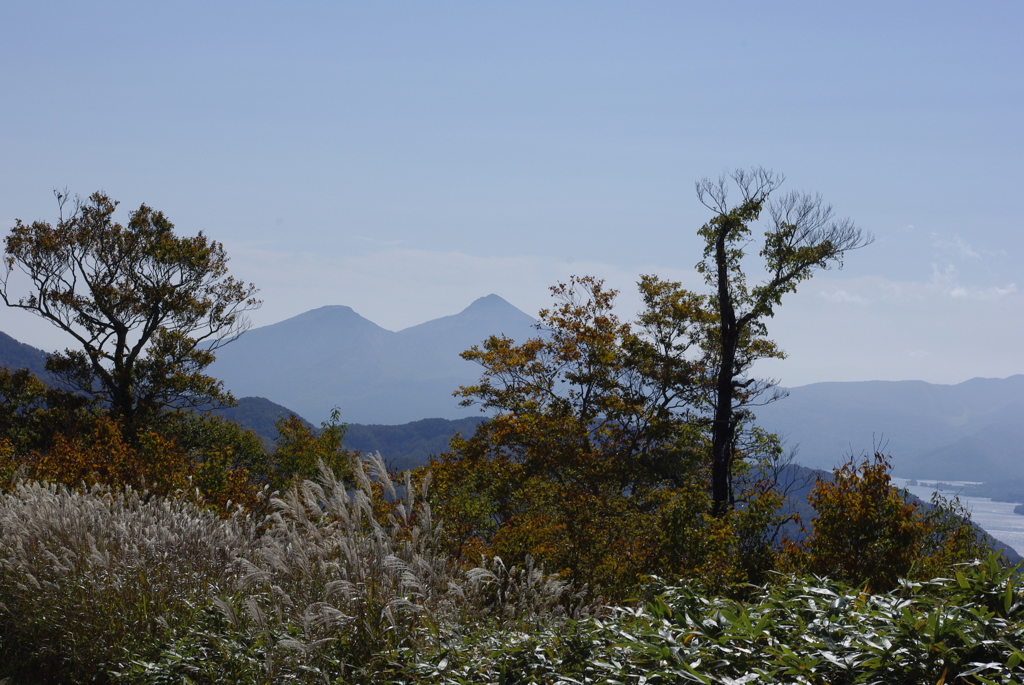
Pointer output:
x,y
342,580
90,577
349,582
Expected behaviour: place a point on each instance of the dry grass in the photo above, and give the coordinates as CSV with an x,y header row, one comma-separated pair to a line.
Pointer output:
x,y
88,577
338,581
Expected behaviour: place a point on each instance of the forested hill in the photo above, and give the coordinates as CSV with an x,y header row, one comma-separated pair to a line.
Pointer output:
x,y
411,444
18,355
403,446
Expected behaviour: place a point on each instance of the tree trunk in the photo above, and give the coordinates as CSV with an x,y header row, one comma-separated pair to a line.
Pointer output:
x,y
722,426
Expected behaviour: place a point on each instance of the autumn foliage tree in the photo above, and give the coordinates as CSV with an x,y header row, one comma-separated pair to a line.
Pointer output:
x,y
595,443
802,235
603,428
300,450
146,308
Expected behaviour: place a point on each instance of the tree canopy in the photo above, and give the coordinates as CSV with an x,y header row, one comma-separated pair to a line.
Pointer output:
x,y
147,308
595,461
607,432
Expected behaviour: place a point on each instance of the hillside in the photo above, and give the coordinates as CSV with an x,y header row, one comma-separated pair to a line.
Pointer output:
x,y
408,445
402,446
18,355
259,415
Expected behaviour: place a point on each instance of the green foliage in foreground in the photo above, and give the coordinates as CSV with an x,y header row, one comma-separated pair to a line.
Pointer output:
x,y
799,630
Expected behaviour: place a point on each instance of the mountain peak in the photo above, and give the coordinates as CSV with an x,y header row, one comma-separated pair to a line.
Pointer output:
x,y
330,316
331,310
486,316
494,307
489,303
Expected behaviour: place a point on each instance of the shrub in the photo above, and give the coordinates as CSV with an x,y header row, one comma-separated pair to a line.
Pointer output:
x,y
966,629
866,531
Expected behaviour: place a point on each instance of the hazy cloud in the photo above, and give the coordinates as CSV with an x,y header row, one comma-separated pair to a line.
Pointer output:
x,y
841,295
384,243
945,280
945,283
956,246
983,293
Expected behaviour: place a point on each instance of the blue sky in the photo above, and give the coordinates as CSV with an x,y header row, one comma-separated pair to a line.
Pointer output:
x,y
407,158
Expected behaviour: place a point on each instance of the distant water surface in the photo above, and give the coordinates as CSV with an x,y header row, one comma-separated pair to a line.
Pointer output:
x,y
995,518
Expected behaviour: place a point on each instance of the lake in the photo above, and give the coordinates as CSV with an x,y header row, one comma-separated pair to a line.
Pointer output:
x,y
995,518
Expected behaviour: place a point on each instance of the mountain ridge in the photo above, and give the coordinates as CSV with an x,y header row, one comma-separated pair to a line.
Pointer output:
x,y
18,355
931,430
334,357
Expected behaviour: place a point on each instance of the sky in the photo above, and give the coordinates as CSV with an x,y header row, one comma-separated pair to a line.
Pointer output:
x,y
405,159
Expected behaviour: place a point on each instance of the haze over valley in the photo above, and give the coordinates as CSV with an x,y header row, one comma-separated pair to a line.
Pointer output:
x,y
333,357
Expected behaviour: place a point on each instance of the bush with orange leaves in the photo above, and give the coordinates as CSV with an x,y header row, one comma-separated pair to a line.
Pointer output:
x,y
156,462
867,532
102,455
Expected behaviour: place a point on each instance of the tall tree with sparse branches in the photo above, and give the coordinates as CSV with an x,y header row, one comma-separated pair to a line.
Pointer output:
x,y
802,236
147,308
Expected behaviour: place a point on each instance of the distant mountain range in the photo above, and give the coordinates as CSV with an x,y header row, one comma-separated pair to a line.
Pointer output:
x,y
333,357
972,431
